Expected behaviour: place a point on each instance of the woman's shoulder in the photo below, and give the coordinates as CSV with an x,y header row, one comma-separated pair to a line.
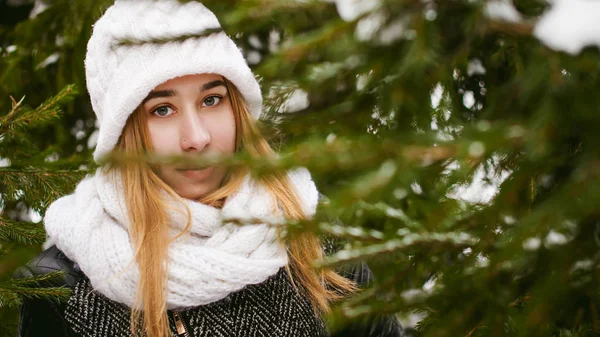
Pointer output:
x,y
42,317
49,261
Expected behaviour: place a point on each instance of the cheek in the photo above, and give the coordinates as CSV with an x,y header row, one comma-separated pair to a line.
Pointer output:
x,y
161,137
223,133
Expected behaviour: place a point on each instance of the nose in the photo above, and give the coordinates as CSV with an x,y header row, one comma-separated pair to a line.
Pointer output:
x,y
194,136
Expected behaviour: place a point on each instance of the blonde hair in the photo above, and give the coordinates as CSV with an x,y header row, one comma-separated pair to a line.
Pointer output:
x,y
148,218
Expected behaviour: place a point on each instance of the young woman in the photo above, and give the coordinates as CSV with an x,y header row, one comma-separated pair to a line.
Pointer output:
x,y
156,249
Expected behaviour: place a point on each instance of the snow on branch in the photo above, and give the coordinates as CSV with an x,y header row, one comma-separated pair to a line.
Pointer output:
x,y
570,25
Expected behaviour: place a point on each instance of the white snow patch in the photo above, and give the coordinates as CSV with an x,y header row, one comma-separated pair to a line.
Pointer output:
x,y
430,284
38,7
483,187
555,238
34,216
436,95
354,61
59,40
51,157
416,188
274,39
400,193
411,319
482,261
570,25
356,231
350,10
446,114
456,74
476,149
367,27
387,170
509,220
451,167
469,99
296,101
253,57
362,81
392,32
394,213
372,28
4,162
254,41
18,194
433,124
413,295
52,58
582,265
430,14
532,243
502,10
475,67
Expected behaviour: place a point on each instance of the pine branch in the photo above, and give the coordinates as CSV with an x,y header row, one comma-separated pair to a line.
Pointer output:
x,y
15,106
38,187
36,287
20,116
23,232
405,241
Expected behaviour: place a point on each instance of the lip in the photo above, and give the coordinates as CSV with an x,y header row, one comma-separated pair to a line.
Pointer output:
x,y
196,173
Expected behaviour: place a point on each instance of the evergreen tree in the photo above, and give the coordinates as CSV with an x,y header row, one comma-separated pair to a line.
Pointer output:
x,y
26,184
456,142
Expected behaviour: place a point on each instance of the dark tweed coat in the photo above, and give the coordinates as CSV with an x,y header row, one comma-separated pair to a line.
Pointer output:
x,y
272,308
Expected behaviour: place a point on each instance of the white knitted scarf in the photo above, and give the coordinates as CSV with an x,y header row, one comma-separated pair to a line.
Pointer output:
x,y
215,259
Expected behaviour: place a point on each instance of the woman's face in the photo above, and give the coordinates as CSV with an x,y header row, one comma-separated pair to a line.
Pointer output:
x,y
191,115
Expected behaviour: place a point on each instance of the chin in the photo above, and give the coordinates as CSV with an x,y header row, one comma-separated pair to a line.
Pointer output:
x,y
192,188
194,192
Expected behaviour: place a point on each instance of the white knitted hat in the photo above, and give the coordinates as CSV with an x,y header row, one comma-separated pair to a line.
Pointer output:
x,y
120,76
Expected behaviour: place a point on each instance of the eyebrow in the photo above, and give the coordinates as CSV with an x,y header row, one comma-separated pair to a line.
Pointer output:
x,y
170,93
212,84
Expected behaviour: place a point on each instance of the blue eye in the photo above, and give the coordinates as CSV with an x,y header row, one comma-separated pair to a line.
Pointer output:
x,y
163,111
211,101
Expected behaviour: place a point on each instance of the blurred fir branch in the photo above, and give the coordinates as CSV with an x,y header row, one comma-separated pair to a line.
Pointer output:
x,y
12,292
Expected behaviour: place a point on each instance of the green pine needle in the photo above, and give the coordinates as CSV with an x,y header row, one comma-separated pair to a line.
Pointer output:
x,y
19,231
36,287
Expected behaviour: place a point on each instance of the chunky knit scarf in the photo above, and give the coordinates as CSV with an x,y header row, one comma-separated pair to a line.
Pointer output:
x,y
216,258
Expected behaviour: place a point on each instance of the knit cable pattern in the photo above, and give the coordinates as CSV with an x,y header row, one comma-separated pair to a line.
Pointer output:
x,y
119,76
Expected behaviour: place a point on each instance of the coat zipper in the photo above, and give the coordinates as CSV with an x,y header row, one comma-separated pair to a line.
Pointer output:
x,y
180,325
